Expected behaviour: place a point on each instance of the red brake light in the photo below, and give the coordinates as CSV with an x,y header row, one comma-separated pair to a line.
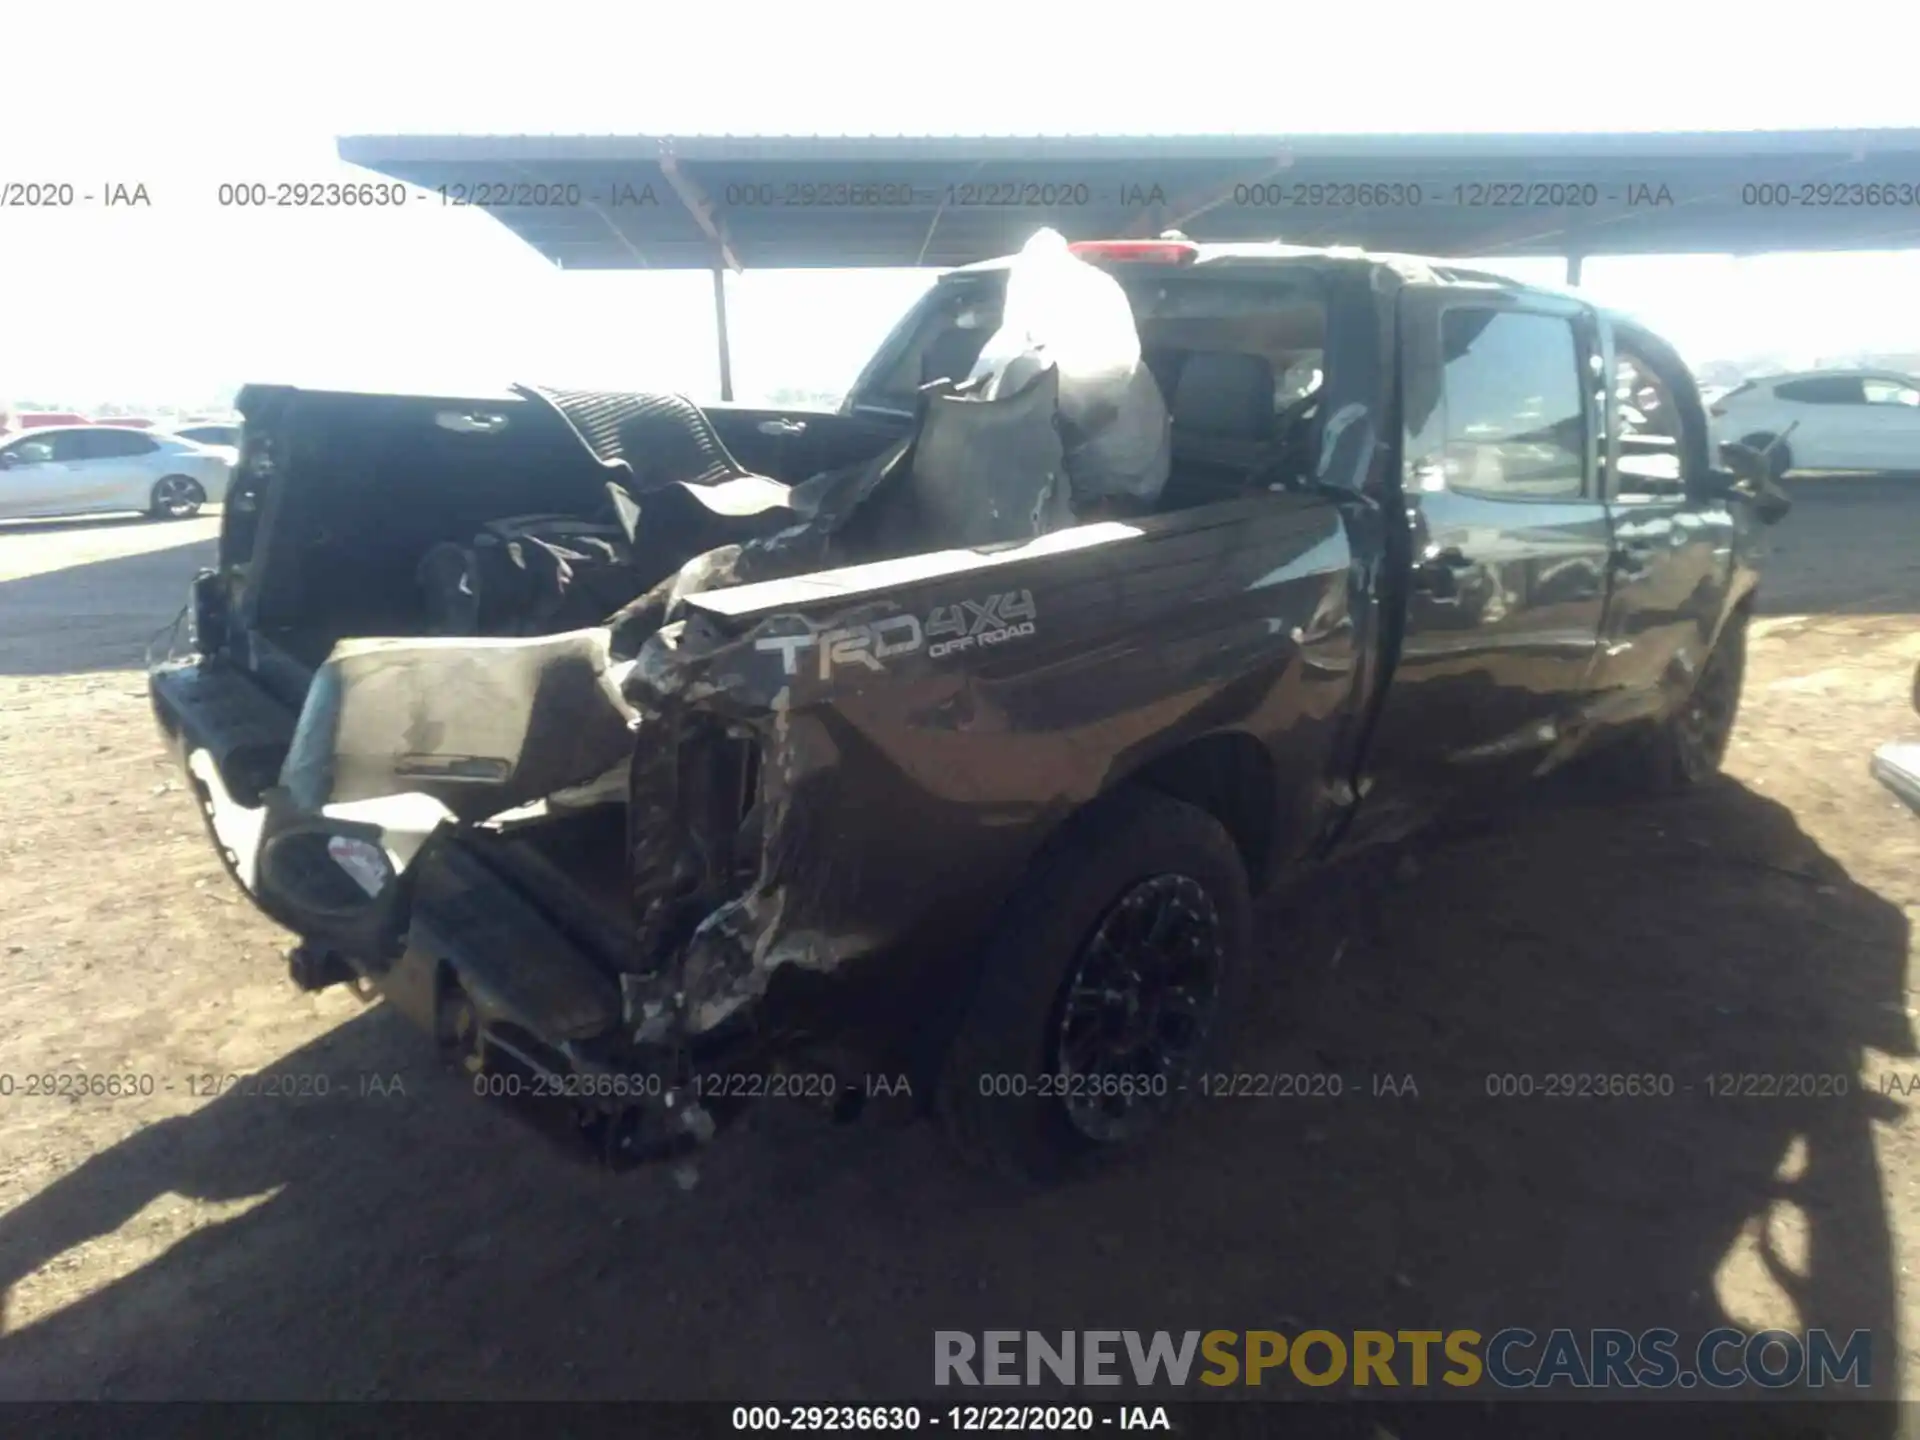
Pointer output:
x,y
1145,252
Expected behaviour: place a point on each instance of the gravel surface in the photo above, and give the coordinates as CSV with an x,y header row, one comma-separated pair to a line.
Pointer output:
x,y
392,1238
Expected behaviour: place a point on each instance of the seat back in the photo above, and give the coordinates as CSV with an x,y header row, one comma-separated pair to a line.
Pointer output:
x,y
982,472
1223,425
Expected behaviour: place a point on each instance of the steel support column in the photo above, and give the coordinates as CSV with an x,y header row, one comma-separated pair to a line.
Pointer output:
x,y
720,324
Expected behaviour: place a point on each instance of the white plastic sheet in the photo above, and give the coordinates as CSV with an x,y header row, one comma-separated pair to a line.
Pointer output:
x,y
1063,312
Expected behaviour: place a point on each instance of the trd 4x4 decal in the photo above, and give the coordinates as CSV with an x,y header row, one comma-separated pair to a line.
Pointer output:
x,y
972,623
949,630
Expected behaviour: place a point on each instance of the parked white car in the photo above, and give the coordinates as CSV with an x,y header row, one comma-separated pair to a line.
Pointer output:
x,y
82,469
215,435
1843,419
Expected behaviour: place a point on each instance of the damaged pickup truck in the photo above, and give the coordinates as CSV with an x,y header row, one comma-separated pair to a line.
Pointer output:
x,y
926,756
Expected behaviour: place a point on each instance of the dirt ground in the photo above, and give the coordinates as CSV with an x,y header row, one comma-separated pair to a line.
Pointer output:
x,y
393,1238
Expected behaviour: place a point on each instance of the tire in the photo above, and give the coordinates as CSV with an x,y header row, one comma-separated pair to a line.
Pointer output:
x,y
1136,860
176,497
1689,746
1780,461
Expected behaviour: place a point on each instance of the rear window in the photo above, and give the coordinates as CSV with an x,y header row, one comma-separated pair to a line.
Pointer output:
x,y
1278,321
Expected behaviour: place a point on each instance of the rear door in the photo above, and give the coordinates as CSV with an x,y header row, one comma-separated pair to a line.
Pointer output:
x,y
115,470
1501,395
1673,540
1825,413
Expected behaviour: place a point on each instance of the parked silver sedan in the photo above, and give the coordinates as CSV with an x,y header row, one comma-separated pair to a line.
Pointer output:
x,y
83,469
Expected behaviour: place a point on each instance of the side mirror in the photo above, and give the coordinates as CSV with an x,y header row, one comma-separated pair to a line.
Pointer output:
x,y
1746,462
1749,476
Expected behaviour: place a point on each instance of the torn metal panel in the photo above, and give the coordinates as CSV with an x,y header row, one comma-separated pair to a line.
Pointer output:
x,y
832,741
480,725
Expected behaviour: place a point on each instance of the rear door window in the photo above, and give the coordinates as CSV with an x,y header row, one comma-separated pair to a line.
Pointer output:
x,y
114,444
1516,411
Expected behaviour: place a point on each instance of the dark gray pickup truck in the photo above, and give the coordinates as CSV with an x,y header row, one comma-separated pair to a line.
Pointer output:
x,y
658,758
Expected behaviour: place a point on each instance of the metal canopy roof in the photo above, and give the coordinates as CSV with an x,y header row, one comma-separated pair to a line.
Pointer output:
x,y
622,202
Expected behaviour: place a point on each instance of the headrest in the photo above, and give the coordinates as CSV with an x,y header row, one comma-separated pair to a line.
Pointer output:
x,y
1222,393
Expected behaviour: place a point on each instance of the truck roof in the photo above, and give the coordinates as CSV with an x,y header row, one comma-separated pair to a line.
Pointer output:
x,y
1277,251
1411,269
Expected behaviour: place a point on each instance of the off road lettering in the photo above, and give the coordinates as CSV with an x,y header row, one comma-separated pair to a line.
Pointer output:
x,y
969,624
973,623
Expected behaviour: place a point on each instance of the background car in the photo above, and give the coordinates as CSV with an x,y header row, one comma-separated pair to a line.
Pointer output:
x,y
224,438
210,434
82,469
18,420
1844,419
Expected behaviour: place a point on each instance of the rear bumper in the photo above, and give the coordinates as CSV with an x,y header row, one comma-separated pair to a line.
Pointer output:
x,y
1898,768
532,1020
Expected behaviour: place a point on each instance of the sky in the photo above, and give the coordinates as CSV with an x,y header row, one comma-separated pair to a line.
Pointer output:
x,y
179,301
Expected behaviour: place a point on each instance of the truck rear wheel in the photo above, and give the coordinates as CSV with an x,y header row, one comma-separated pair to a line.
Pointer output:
x,y
1105,989
1690,744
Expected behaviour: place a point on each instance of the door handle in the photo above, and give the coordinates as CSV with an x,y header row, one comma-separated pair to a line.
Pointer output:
x,y
783,427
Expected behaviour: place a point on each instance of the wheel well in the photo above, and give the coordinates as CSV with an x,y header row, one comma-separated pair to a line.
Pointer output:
x,y
1229,776
1742,609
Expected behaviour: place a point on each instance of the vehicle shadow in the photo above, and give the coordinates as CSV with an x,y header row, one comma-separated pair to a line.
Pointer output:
x,y
129,519
420,1245
98,614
